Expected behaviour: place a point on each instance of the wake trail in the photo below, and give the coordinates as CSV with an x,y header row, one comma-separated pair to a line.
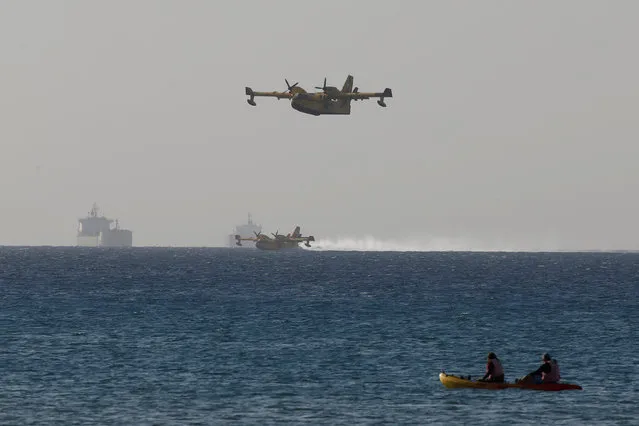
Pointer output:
x,y
370,243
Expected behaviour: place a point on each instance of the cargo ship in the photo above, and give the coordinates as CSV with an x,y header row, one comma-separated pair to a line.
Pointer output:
x,y
95,230
246,230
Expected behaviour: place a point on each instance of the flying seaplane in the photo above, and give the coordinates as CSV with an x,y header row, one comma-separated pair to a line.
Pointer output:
x,y
330,100
279,241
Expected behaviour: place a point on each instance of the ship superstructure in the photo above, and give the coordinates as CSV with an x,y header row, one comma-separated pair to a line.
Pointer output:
x,y
95,230
246,230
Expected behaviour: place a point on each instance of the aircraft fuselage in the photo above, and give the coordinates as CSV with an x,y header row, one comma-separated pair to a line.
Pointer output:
x,y
276,245
317,104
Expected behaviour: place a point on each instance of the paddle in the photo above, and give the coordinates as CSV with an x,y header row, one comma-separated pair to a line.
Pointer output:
x,y
525,379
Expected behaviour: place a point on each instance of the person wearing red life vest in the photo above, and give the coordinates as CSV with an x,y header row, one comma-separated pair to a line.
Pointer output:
x,y
494,369
548,372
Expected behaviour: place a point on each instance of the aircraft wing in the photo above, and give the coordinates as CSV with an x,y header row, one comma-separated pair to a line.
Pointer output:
x,y
301,239
305,240
387,93
260,238
274,94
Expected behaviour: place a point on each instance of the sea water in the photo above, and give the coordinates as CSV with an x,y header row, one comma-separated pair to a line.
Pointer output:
x,y
215,336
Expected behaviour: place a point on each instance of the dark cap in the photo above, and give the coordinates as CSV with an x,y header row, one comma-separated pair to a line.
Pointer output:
x,y
491,355
546,357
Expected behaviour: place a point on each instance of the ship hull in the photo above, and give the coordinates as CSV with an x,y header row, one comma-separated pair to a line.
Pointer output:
x,y
116,238
111,238
88,241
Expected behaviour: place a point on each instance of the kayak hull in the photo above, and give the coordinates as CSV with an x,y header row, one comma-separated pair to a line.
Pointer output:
x,y
455,382
549,387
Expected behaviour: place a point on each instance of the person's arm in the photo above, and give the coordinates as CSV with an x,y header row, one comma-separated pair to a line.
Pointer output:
x,y
543,368
489,370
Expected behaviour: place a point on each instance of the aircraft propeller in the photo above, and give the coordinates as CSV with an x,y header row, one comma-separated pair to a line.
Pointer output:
x,y
276,233
289,86
323,87
257,234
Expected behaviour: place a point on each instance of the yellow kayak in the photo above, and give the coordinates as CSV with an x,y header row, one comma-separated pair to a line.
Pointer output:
x,y
453,382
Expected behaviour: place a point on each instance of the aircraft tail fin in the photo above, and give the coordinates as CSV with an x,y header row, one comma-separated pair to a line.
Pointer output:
x,y
348,84
296,233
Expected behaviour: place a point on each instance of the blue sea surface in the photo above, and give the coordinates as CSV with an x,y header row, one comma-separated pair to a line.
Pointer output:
x,y
214,336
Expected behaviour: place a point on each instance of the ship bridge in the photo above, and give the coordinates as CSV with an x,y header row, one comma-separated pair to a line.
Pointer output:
x,y
93,224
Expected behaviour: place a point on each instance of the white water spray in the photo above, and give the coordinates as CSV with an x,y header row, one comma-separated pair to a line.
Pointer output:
x,y
370,243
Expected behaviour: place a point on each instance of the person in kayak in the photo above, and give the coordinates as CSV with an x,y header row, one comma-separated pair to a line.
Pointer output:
x,y
494,370
548,372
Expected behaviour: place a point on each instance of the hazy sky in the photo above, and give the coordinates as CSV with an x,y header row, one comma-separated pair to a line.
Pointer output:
x,y
513,124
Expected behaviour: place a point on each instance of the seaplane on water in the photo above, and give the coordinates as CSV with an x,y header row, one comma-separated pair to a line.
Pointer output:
x,y
279,241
